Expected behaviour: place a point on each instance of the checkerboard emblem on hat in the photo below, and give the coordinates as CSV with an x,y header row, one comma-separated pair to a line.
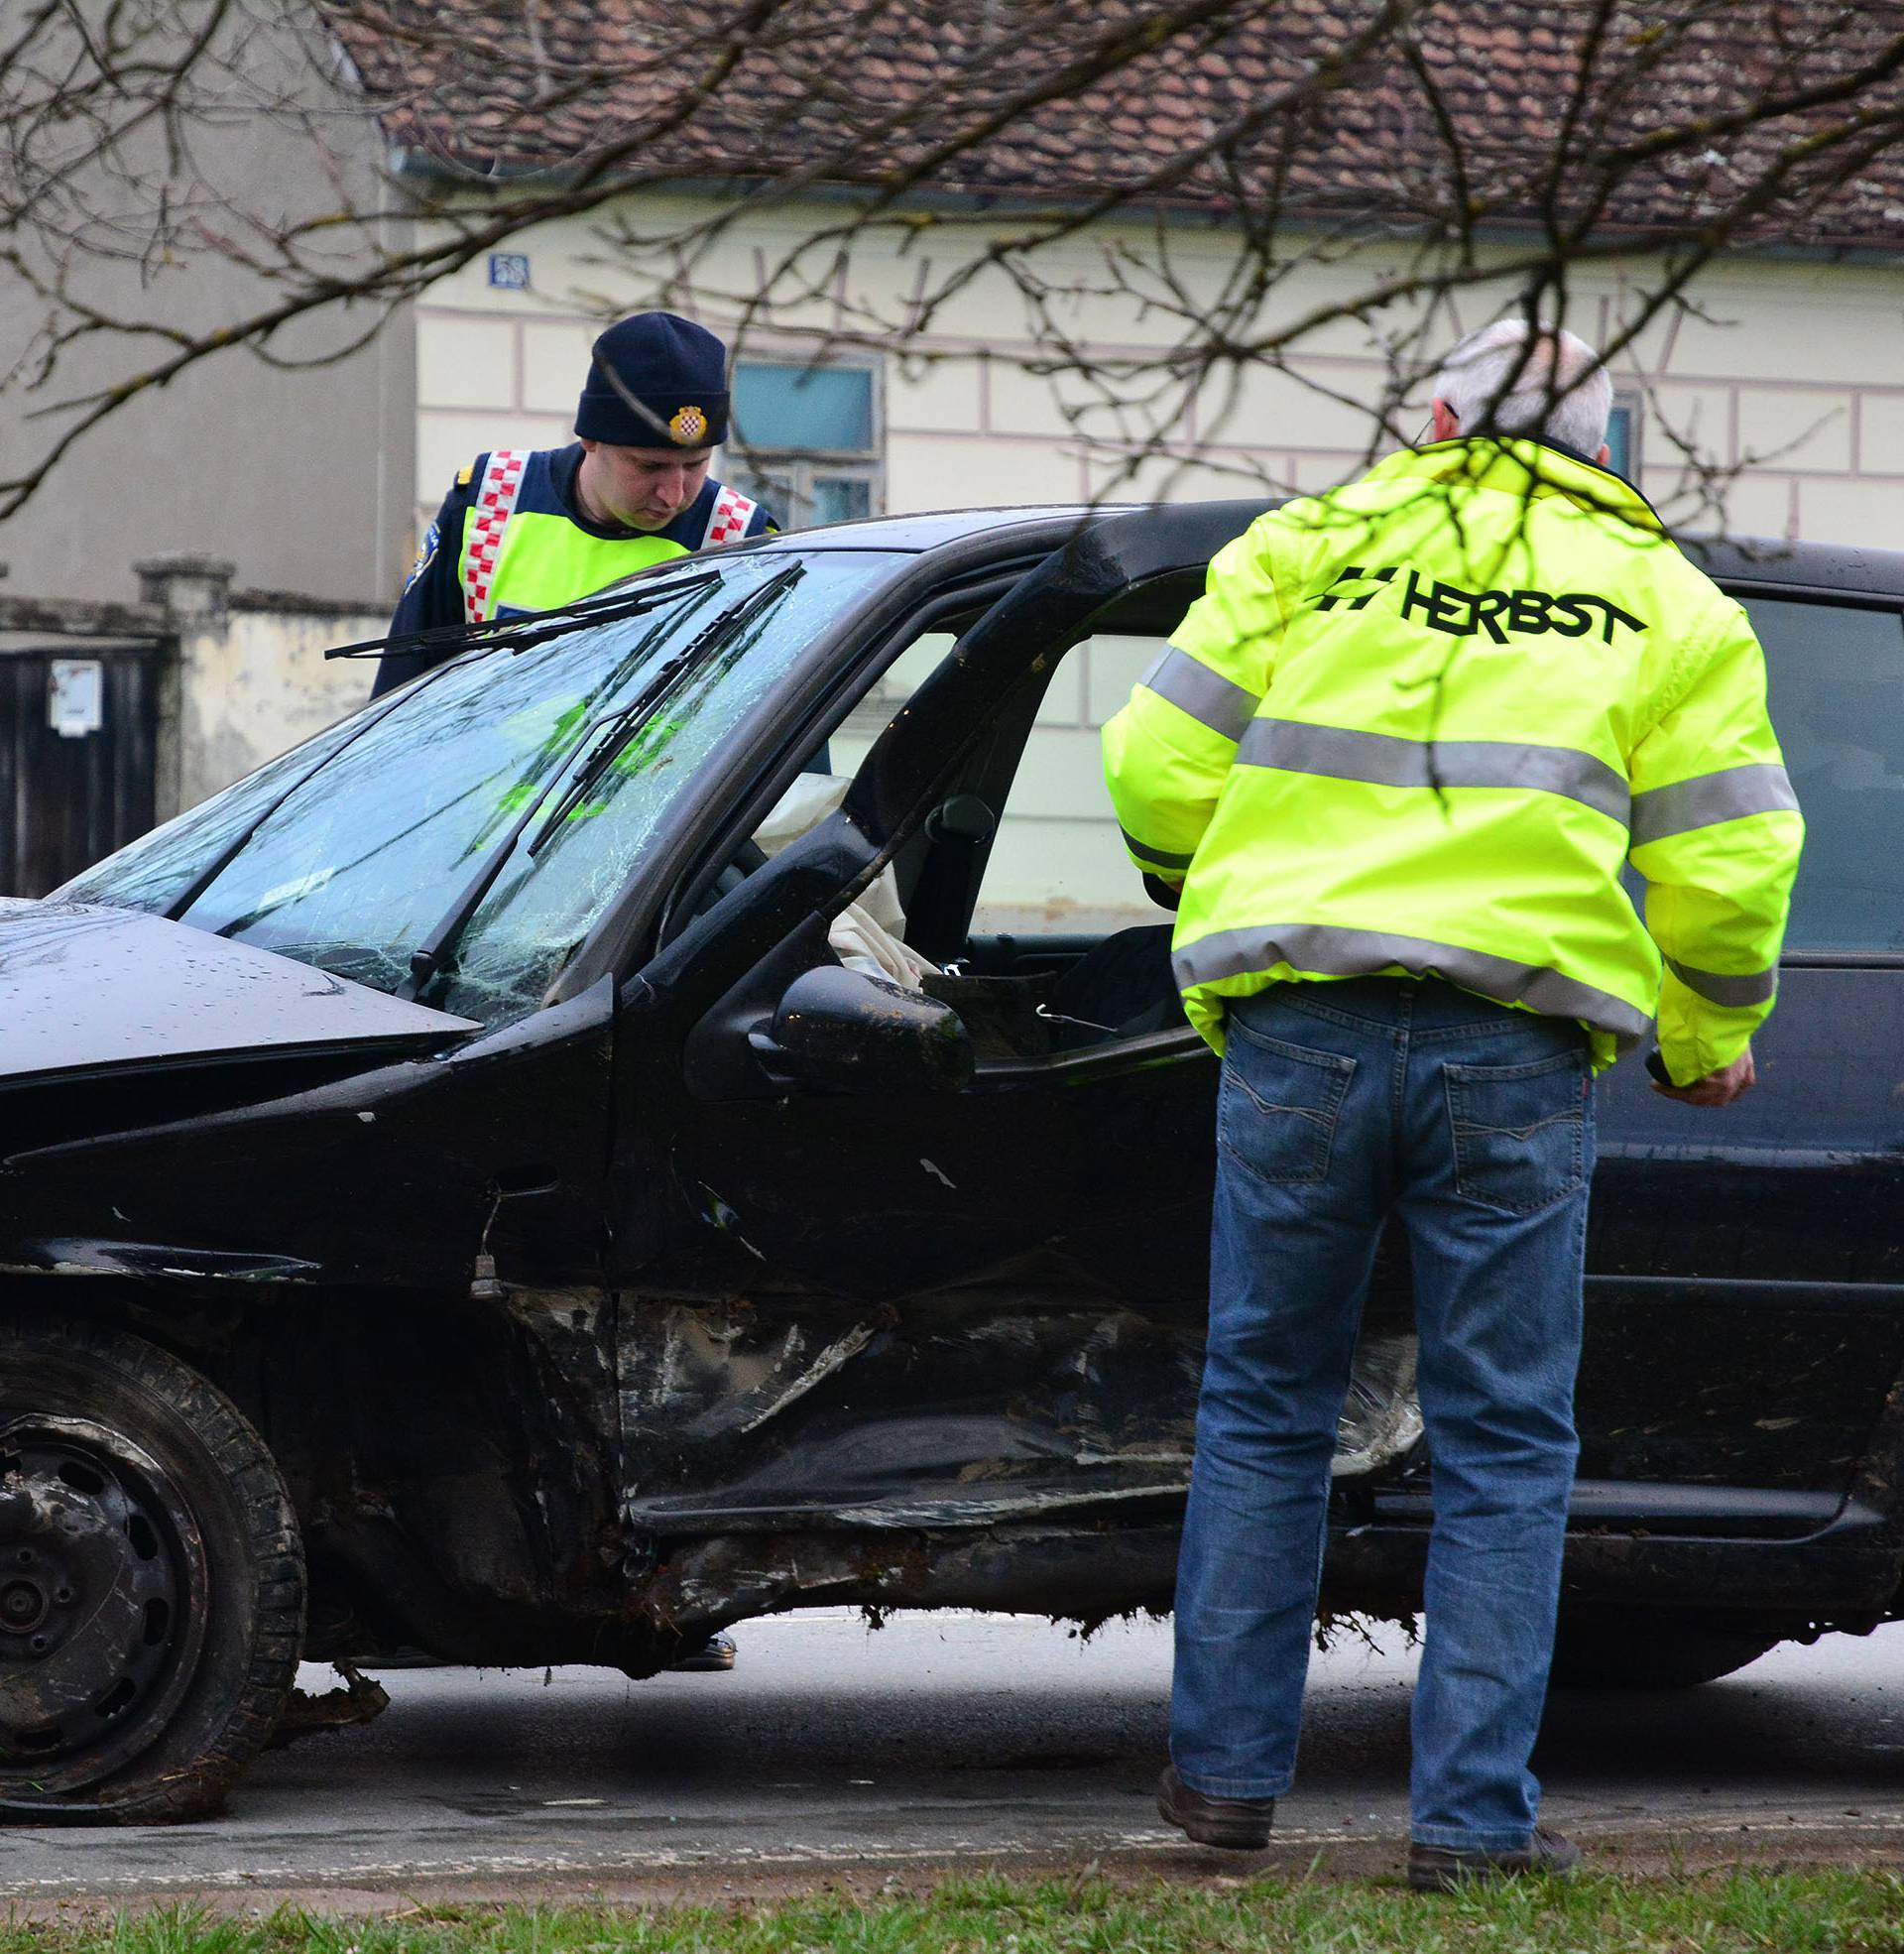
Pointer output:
x,y
688,426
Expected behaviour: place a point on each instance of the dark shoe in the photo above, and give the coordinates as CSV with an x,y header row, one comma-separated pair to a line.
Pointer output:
x,y
1240,1824
716,1652
1441,1869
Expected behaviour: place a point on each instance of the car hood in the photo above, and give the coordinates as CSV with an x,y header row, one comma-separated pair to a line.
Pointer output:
x,y
85,989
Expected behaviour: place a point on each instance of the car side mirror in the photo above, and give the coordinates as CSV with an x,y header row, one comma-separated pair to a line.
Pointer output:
x,y
843,1031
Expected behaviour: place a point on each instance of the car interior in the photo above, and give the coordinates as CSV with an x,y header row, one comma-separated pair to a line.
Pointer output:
x,y
1035,928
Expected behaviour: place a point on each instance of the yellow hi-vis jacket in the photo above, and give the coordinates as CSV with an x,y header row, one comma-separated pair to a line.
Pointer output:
x,y
524,550
1415,725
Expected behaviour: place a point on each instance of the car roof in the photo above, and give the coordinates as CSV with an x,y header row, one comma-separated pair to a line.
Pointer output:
x,y
1826,567
934,528
1829,568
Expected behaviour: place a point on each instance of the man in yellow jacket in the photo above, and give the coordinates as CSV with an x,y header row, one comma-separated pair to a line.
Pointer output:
x,y
1391,763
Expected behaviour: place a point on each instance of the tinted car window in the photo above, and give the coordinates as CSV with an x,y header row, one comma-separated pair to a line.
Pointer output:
x,y
580,742
1838,704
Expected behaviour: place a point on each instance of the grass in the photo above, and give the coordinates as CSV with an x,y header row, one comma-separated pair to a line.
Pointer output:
x,y
1855,1910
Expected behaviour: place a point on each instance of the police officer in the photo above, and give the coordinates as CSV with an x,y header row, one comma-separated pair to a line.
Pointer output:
x,y
1393,763
525,531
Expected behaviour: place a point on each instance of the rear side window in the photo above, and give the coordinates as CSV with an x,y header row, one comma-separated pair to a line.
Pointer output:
x,y
1838,704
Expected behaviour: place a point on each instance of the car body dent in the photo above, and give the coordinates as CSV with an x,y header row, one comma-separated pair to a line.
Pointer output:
x,y
508,1134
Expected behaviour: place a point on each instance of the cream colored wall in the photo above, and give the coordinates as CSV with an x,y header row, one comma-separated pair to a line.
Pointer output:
x,y
1794,370
252,683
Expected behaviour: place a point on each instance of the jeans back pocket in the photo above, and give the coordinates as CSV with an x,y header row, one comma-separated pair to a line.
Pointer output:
x,y
1277,1107
1519,1131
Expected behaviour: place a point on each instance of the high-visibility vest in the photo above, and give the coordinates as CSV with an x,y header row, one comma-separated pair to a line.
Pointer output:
x,y
1415,726
523,551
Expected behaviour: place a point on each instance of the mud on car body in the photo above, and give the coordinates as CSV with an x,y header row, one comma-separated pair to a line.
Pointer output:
x,y
459,1193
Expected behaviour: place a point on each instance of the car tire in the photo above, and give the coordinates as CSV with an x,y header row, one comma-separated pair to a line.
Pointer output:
x,y
152,1582
1635,1648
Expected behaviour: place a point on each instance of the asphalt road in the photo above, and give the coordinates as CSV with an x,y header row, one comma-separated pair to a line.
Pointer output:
x,y
952,1737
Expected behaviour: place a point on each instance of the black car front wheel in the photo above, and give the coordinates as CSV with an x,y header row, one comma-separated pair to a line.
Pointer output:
x,y
151,1581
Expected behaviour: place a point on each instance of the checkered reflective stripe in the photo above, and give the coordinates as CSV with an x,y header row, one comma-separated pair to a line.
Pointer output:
x,y
729,518
502,481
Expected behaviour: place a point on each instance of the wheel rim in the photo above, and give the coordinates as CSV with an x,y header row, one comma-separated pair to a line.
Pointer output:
x,y
102,1601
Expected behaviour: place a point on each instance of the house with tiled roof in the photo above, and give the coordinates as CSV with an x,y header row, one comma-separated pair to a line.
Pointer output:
x,y
1440,139
695,149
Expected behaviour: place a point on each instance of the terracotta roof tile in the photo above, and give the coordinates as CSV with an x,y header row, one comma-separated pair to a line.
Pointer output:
x,y
863,87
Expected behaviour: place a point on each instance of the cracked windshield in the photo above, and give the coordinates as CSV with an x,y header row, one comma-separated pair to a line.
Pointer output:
x,y
517,786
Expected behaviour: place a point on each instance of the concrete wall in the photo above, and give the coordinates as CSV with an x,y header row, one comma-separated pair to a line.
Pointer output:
x,y
302,474
256,681
245,676
228,678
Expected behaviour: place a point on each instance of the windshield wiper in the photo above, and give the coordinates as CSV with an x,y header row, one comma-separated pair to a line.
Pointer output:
x,y
525,628
621,726
431,956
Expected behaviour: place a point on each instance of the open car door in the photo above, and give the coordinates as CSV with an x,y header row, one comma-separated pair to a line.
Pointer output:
x,y
922,1271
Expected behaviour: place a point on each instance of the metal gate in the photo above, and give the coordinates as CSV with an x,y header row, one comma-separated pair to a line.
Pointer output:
x,y
78,735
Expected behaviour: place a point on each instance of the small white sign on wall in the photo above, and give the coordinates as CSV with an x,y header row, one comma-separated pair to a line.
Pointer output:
x,y
76,698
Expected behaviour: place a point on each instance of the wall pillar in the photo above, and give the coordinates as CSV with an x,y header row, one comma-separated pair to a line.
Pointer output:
x,y
188,589
193,594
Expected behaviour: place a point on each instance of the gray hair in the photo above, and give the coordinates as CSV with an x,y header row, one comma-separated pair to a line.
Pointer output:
x,y
1512,379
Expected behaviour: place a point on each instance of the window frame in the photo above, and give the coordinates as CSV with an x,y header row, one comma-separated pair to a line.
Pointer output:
x,y
799,466
1631,402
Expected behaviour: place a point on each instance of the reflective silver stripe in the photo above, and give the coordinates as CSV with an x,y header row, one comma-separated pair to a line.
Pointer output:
x,y
1726,796
1756,987
1155,855
1205,695
1344,755
1332,951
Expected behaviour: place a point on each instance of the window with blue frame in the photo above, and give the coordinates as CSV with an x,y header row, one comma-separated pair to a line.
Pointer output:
x,y
1623,437
806,440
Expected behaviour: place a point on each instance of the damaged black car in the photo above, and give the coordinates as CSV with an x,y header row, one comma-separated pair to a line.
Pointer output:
x,y
599,1145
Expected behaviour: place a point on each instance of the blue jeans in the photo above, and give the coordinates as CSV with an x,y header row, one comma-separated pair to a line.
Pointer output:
x,y
1341,1104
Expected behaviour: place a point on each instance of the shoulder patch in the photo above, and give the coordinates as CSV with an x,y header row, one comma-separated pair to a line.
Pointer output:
x,y
465,474
426,555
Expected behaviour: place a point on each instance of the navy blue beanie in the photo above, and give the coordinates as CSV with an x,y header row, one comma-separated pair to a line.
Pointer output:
x,y
672,391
